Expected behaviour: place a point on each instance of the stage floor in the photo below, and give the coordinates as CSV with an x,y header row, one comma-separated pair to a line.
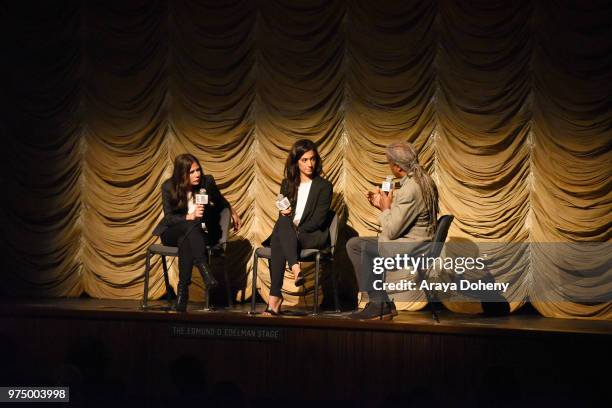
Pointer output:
x,y
521,323
149,357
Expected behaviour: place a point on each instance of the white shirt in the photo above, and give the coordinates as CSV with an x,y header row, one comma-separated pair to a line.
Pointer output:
x,y
191,205
302,197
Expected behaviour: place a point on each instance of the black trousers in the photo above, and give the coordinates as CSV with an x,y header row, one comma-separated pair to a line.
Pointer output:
x,y
286,245
191,241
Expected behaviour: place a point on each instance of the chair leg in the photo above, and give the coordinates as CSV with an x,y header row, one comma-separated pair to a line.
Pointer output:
x,y
207,304
334,279
207,307
430,300
228,287
166,279
254,283
432,308
315,307
145,294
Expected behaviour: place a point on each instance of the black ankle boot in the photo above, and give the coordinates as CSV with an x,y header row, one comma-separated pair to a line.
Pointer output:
x,y
182,298
207,276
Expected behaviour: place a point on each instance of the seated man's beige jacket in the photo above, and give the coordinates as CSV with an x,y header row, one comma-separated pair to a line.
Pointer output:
x,y
405,226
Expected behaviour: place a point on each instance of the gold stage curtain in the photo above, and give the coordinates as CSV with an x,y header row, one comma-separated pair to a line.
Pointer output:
x,y
508,102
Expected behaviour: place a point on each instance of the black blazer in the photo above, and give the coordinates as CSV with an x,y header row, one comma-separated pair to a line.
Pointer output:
x,y
314,224
212,211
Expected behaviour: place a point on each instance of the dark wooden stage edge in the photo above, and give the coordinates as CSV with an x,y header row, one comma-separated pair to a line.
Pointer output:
x,y
111,351
416,322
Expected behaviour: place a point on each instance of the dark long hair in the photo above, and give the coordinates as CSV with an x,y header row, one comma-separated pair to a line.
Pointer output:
x,y
405,155
180,179
292,171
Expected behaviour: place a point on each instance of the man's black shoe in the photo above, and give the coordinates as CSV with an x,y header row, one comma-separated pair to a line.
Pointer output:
x,y
376,311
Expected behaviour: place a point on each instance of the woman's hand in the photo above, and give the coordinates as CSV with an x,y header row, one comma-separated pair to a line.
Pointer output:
x,y
198,213
236,220
286,212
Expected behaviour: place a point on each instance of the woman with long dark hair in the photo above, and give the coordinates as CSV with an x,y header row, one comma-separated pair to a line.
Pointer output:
x,y
305,223
183,221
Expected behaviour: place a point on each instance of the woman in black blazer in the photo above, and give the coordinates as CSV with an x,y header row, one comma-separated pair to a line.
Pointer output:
x,y
305,223
183,218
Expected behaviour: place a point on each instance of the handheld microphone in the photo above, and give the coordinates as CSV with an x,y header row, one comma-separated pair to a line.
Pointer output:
x,y
202,198
282,202
386,185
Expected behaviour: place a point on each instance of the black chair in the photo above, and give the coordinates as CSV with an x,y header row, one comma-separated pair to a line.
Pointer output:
x,y
213,250
318,255
444,224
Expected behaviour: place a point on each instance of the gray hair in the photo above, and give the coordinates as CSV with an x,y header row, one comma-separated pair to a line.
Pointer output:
x,y
404,155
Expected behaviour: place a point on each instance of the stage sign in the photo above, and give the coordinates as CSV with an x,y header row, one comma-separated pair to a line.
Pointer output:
x,y
229,332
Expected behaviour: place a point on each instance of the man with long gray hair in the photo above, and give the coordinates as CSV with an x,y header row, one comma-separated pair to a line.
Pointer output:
x,y
407,220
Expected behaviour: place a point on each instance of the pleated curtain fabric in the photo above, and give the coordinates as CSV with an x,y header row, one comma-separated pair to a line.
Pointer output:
x,y
508,102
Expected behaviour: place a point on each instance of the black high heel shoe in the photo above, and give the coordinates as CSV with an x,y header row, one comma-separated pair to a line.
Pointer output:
x,y
272,312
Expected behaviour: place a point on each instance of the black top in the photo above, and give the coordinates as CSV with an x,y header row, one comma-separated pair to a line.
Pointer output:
x,y
315,218
212,211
